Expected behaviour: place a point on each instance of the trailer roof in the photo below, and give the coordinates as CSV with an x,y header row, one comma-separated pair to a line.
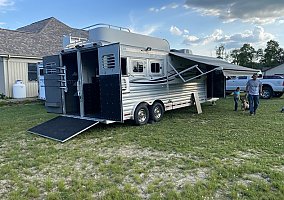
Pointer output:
x,y
227,68
111,35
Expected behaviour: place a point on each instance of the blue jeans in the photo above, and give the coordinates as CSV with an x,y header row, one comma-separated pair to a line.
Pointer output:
x,y
236,100
253,103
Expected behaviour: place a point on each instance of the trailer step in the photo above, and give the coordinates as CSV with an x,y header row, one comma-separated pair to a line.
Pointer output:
x,y
62,128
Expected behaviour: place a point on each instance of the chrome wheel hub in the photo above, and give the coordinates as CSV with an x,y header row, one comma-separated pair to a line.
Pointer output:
x,y
157,112
142,115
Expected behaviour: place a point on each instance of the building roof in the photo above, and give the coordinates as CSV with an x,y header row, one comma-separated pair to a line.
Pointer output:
x,y
272,68
38,39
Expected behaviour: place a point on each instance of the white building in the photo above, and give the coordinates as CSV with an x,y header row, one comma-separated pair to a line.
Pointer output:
x,y
278,70
22,49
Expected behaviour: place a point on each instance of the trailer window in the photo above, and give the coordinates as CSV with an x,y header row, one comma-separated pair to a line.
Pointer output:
x,y
138,66
123,66
155,68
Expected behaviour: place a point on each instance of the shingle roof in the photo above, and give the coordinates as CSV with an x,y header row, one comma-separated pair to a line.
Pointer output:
x,y
38,39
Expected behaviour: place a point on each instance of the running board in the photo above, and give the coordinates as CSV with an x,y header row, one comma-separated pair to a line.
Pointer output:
x,y
62,128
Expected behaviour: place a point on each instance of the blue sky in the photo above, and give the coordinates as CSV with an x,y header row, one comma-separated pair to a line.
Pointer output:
x,y
199,25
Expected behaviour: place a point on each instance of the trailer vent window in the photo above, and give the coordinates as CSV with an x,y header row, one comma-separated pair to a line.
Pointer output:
x,y
155,67
50,71
138,67
108,61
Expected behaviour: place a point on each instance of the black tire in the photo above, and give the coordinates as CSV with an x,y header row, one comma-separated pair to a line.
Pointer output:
x,y
267,92
141,114
278,94
156,112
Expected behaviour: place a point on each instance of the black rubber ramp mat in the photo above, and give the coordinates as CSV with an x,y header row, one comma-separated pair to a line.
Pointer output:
x,y
62,128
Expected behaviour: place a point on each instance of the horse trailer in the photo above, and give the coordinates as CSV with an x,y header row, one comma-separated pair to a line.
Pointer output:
x,y
116,75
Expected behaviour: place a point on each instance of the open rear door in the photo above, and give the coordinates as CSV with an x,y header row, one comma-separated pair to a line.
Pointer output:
x,y
110,82
62,128
53,84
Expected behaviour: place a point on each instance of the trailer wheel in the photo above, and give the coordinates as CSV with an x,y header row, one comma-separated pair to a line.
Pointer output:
x,y
156,112
141,114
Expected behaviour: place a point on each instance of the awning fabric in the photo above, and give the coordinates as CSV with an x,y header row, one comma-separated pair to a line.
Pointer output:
x,y
228,69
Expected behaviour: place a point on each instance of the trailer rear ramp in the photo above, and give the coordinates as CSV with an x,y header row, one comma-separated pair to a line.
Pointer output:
x,y
62,128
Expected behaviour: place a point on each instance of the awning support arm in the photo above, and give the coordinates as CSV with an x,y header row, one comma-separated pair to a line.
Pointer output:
x,y
190,68
177,73
201,74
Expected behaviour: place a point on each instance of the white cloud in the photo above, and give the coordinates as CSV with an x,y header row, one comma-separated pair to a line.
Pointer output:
x,y
257,37
175,30
258,12
147,29
281,21
191,38
164,7
6,5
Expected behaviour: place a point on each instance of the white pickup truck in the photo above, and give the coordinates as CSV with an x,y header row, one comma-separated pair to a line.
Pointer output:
x,y
271,85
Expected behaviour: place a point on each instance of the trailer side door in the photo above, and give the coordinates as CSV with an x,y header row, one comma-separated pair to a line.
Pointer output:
x,y
110,82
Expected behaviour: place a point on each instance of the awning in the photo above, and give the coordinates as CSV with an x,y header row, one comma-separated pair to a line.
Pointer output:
x,y
228,69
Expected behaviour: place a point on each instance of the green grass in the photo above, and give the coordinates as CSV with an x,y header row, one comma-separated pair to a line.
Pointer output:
x,y
219,154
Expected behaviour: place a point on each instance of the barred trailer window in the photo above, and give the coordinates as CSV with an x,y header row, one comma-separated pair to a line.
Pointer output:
x,y
32,71
138,66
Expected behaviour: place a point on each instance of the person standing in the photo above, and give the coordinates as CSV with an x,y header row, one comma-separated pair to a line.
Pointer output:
x,y
236,97
253,89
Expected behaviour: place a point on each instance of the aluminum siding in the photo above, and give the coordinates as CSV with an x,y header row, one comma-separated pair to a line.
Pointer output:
x,y
17,69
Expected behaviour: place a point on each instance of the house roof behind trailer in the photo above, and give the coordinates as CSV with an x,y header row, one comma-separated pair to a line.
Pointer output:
x,y
227,68
108,35
38,39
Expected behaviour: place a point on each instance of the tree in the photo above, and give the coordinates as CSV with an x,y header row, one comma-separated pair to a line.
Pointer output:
x,y
220,51
244,56
247,55
235,56
273,54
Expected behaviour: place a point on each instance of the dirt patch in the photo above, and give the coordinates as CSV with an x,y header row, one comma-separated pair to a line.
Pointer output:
x,y
5,187
250,154
250,178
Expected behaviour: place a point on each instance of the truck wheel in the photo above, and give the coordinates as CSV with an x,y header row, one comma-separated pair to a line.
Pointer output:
x,y
267,92
156,112
278,94
141,114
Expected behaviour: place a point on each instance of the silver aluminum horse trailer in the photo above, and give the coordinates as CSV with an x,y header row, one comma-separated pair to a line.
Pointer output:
x,y
115,75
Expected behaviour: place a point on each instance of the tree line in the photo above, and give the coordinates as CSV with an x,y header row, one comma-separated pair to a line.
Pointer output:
x,y
248,56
